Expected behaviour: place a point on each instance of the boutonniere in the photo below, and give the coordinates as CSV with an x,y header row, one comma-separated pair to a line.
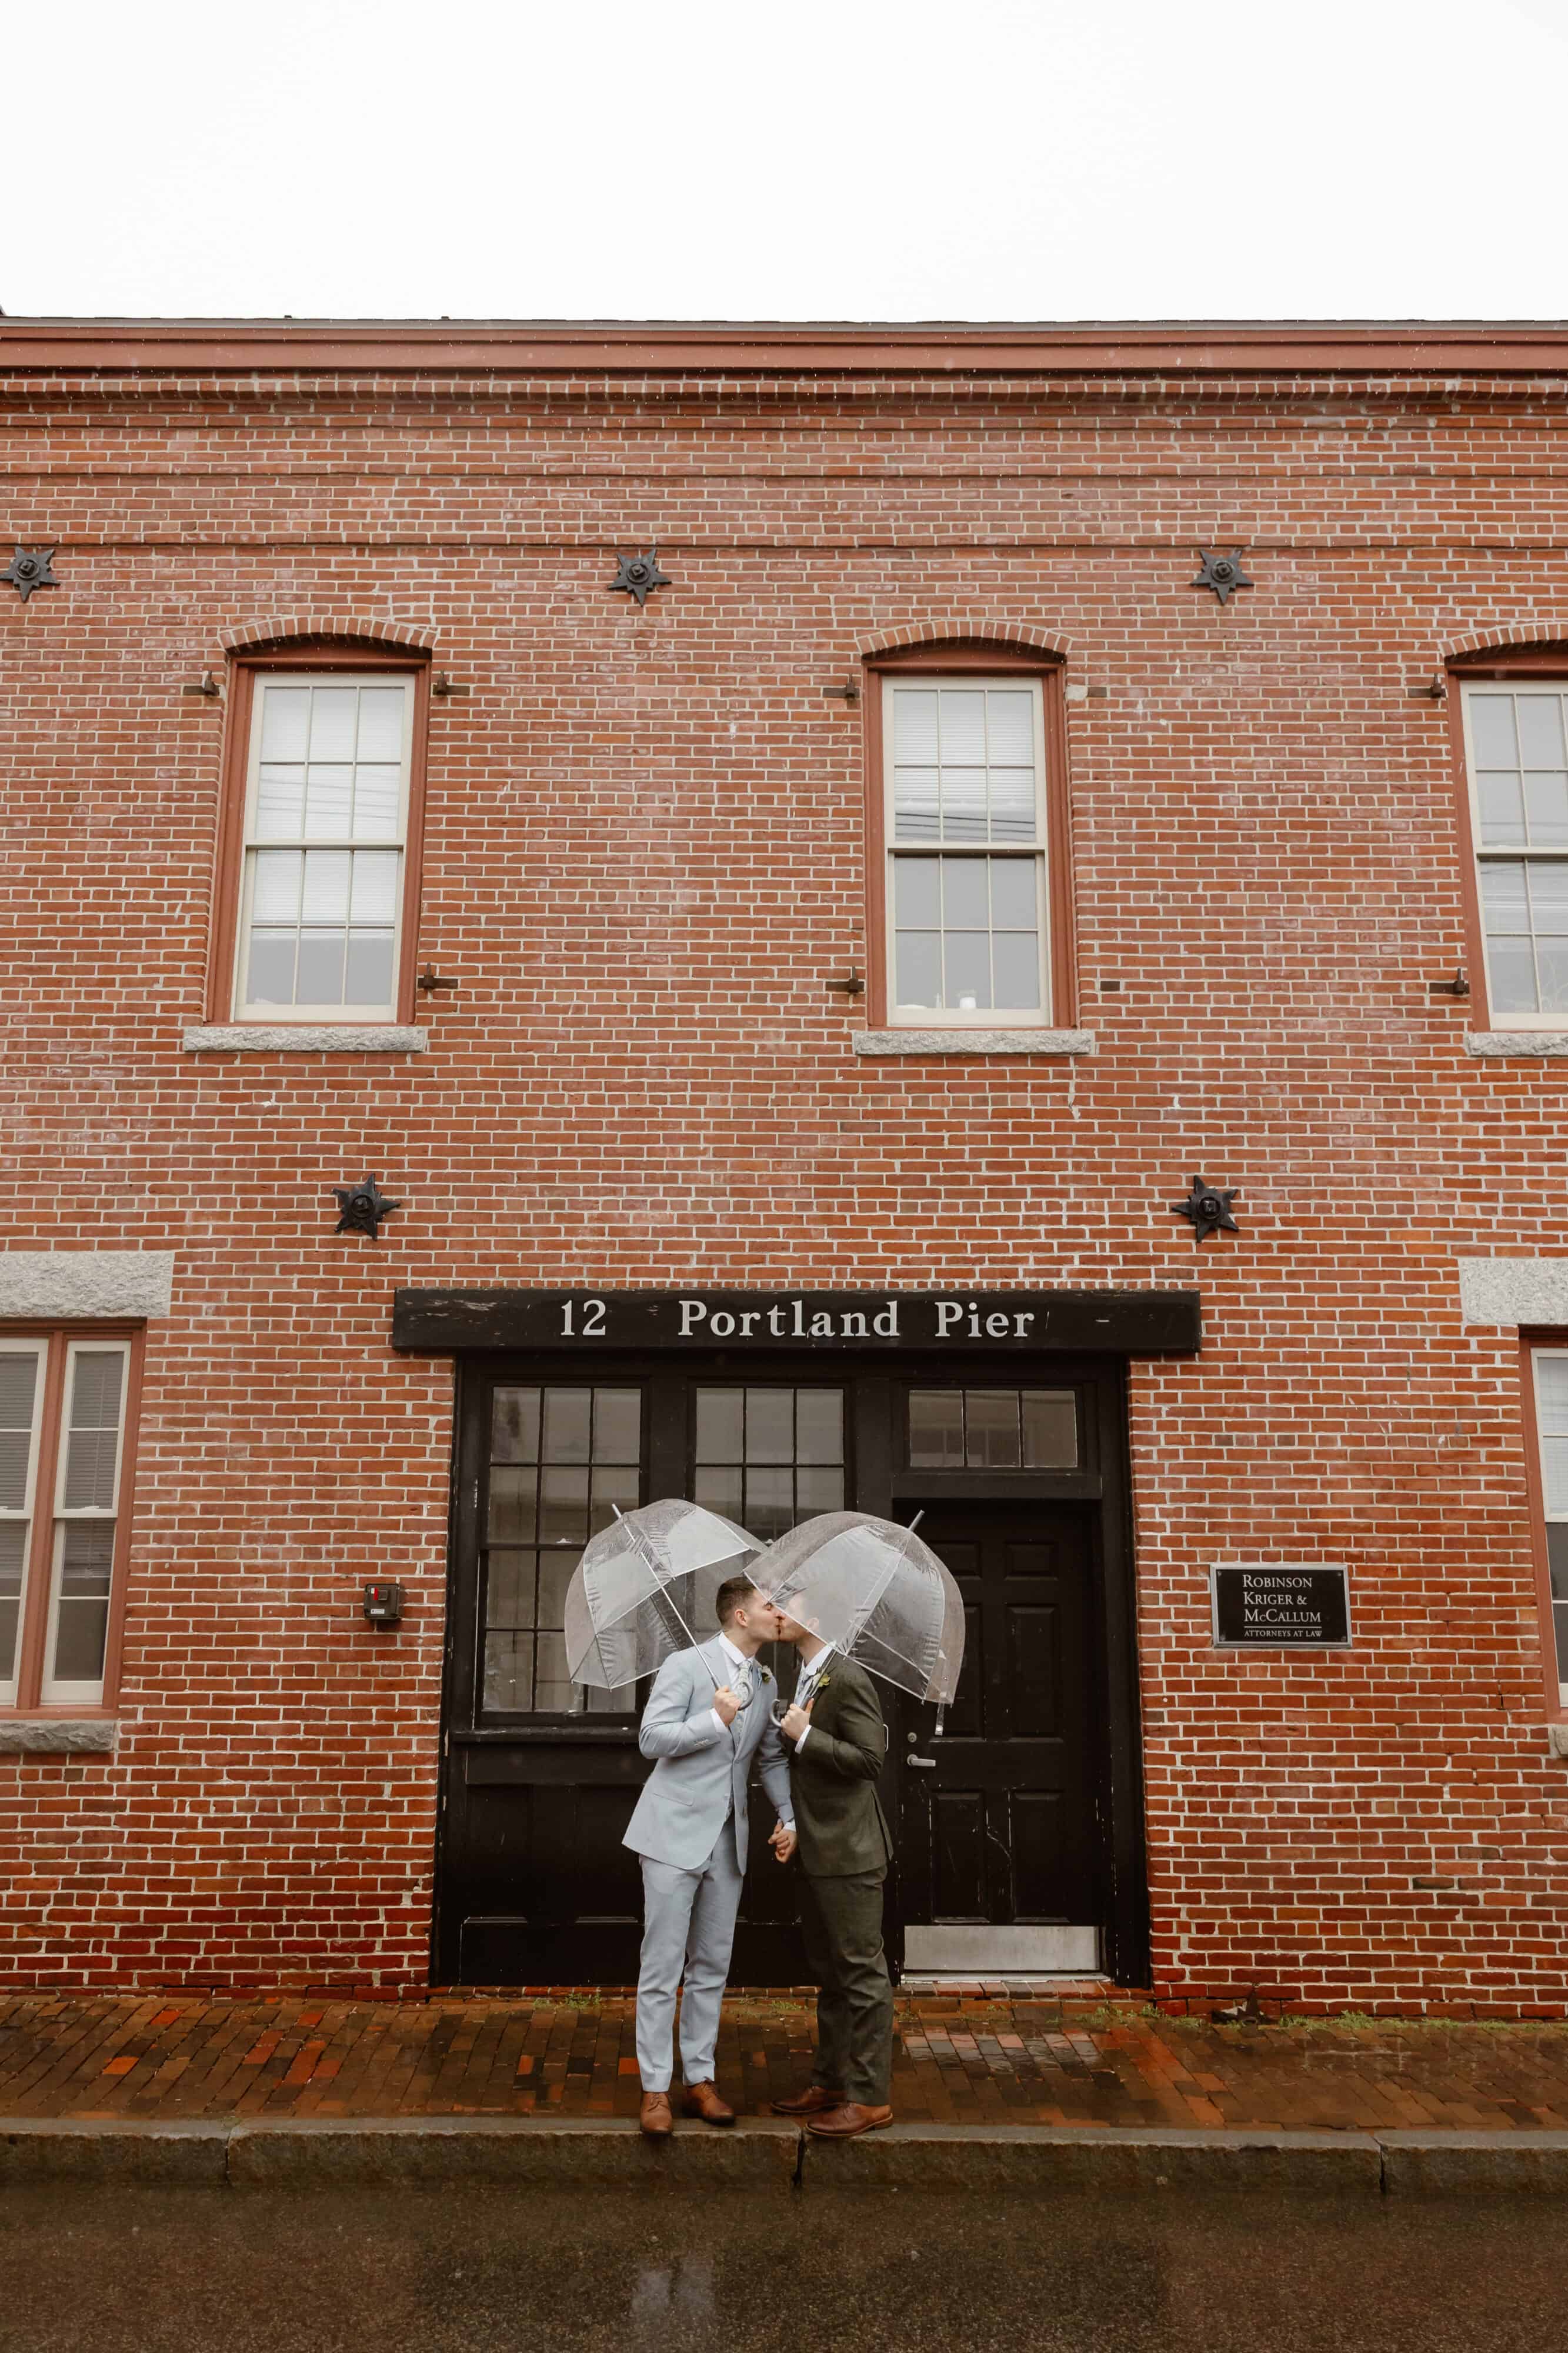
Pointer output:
x,y
822,1683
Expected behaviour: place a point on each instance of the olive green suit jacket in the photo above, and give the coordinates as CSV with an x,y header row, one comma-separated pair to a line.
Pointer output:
x,y
833,1779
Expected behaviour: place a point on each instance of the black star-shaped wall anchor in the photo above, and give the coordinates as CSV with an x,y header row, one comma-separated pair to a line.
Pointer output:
x,y
29,569
640,575
1223,574
361,1209
1208,1209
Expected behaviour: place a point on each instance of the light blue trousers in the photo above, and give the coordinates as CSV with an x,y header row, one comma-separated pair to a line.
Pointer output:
x,y
689,1928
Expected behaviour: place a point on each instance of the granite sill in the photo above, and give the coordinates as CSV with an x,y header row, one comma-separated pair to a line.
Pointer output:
x,y
57,1736
83,1284
1528,1045
878,1042
297,1038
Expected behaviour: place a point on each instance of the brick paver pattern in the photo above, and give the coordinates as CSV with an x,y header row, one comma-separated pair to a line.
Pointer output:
x,y
974,2060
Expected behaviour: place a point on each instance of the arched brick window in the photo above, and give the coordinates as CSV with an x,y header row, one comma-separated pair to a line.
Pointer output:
x,y
970,899
1510,712
318,876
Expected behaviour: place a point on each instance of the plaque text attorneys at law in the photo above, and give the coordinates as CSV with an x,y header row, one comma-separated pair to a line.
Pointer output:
x,y
1125,1322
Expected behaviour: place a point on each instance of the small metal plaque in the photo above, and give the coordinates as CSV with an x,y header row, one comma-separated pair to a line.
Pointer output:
x,y
1280,1605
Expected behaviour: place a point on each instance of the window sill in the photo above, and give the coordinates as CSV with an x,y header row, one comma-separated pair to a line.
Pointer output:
x,y
1557,1740
974,1041
57,1736
1528,1044
300,1037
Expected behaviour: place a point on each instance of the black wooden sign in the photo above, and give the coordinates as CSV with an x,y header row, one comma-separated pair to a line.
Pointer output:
x,y
1280,1605
1131,1323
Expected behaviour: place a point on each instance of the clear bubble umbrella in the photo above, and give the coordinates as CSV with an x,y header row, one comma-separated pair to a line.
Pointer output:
x,y
878,1594
644,1586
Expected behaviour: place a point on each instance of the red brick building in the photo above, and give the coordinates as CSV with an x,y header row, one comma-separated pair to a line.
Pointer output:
x,y
785,1002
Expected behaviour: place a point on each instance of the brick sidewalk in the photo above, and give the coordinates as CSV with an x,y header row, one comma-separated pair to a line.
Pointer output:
x,y
1026,2061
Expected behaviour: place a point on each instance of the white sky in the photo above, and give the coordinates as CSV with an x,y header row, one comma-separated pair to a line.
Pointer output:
x,y
828,159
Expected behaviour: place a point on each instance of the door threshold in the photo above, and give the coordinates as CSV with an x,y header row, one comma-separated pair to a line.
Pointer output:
x,y
1013,1981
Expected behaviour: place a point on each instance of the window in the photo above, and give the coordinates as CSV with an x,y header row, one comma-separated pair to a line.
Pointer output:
x,y
964,812
1551,1427
1516,756
769,1457
63,1403
561,1461
993,1429
325,844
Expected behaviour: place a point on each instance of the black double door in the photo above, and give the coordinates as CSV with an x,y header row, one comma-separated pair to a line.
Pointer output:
x,y
1022,1815
998,1813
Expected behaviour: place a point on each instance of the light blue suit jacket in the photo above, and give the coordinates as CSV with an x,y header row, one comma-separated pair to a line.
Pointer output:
x,y
703,1772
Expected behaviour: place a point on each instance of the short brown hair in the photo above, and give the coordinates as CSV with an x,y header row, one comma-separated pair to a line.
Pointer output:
x,y
731,1595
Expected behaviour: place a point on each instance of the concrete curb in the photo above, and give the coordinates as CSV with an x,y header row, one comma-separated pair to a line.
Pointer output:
x,y
409,2152
999,2157
1441,2165
148,2155
764,2153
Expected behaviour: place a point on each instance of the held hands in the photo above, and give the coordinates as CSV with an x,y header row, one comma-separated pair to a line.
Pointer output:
x,y
795,1720
726,1705
782,1841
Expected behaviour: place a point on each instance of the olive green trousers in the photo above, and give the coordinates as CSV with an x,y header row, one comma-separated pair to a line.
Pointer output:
x,y
841,1919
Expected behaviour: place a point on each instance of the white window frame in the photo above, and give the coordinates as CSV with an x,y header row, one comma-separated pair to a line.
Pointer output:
x,y
1481,856
319,1015
38,1349
54,1692
1550,1518
989,1016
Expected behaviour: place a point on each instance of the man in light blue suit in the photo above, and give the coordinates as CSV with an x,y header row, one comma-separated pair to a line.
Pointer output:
x,y
709,1714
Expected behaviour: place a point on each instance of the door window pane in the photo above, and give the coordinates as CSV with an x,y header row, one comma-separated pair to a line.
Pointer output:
x,y
769,1457
993,1429
563,1459
936,1429
1050,1428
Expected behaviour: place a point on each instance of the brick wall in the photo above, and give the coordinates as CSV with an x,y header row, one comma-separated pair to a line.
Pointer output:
x,y
643,860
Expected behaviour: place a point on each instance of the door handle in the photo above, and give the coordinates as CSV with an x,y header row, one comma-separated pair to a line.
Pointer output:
x,y
923,1764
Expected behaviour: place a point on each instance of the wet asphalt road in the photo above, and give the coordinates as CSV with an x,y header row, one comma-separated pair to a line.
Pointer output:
x,y
182,2272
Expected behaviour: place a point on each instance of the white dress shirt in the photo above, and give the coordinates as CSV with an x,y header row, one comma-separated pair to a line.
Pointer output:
x,y
806,1687
743,1677
740,1681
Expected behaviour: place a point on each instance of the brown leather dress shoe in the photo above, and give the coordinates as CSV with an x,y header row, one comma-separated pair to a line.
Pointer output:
x,y
843,2123
809,2102
702,2100
655,2115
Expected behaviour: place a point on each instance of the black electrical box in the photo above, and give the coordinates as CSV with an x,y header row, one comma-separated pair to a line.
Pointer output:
x,y
383,1603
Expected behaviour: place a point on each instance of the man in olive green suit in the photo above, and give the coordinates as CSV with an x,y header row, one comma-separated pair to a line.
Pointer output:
x,y
840,1744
